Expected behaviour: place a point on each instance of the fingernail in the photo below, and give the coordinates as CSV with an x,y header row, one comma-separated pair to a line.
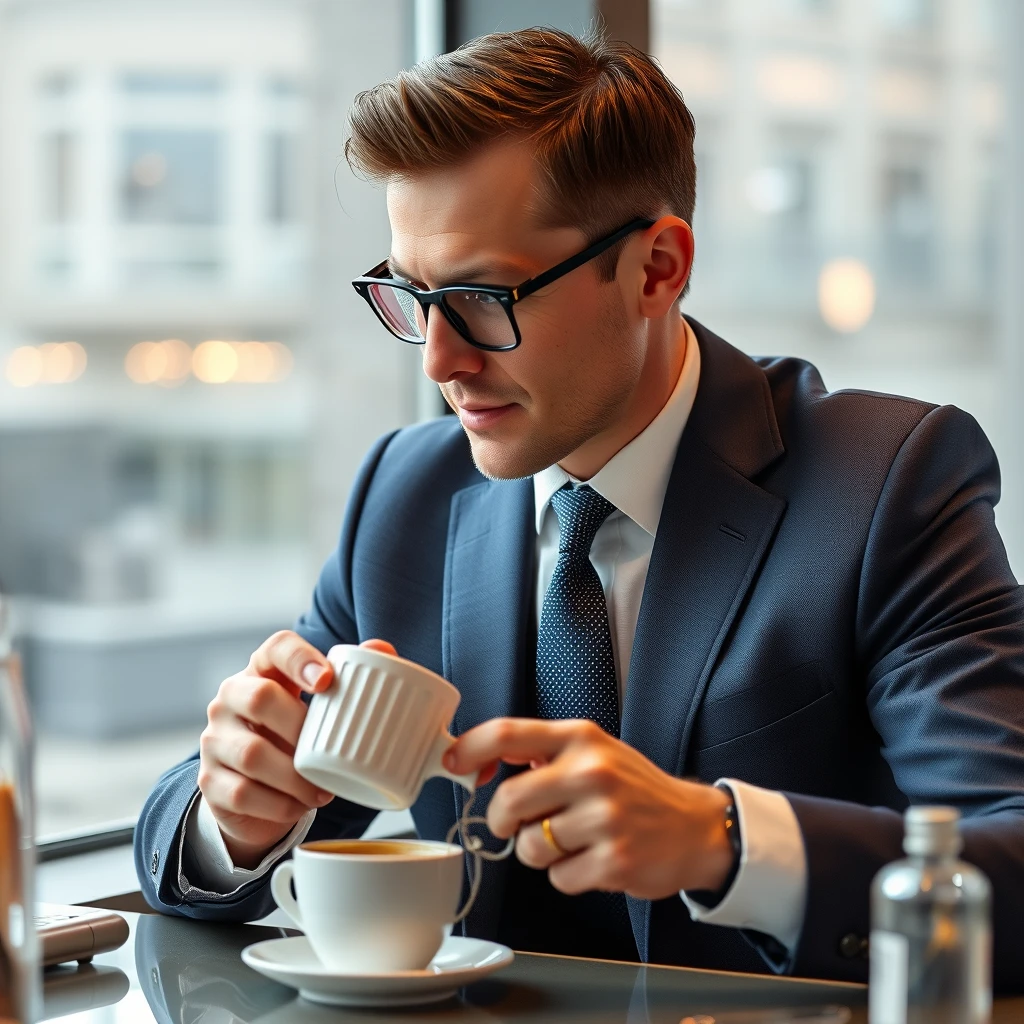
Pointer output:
x,y
324,798
312,672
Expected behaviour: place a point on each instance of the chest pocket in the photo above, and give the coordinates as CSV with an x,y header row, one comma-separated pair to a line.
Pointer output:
x,y
742,712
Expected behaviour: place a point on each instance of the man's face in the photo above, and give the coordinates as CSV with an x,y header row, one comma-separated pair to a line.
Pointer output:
x,y
582,351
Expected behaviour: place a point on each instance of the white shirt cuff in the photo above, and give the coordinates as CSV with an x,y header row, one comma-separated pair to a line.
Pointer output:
x,y
210,857
770,889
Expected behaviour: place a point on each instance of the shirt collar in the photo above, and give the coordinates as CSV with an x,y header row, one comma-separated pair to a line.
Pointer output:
x,y
635,479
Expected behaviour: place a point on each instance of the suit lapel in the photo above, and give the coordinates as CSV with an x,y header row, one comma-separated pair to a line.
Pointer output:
x,y
715,528
709,547
488,587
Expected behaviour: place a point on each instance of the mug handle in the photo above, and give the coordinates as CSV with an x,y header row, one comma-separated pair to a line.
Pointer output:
x,y
281,888
435,766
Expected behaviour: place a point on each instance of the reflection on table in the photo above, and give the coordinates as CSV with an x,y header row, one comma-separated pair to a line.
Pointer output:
x,y
183,972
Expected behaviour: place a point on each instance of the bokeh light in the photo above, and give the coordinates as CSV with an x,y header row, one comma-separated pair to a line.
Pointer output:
x,y
215,362
145,362
846,295
283,360
177,357
55,362
255,362
169,363
63,361
25,366
79,359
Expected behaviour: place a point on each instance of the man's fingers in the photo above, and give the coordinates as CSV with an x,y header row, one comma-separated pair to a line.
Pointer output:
x,y
262,702
529,796
254,757
487,773
517,740
380,645
589,869
298,661
575,829
229,793
533,848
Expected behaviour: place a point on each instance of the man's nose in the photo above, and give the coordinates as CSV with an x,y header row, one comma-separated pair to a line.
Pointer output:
x,y
446,354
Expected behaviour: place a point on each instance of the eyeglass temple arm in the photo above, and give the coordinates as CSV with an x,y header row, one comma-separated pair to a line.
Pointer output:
x,y
566,266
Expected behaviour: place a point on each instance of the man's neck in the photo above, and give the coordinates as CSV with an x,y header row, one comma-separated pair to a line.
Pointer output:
x,y
657,382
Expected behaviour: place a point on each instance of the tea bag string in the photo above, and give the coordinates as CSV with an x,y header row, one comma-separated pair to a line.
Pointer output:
x,y
474,846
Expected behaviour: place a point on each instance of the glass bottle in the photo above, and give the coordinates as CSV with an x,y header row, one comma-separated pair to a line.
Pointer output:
x,y
931,944
19,960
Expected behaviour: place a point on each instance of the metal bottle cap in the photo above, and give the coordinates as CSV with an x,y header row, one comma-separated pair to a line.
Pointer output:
x,y
932,831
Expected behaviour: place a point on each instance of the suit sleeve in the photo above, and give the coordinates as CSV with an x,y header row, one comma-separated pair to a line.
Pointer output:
x,y
940,640
331,619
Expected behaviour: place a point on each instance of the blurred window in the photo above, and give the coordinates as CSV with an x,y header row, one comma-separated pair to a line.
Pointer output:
x,y
145,83
284,87
806,8
171,176
987,22
988,223
200,493
172,235
907,212
59,169
282,177
704,223
783,192
906,15
58,85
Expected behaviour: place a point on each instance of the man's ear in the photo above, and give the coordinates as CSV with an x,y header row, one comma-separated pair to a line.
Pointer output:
x,y
666,266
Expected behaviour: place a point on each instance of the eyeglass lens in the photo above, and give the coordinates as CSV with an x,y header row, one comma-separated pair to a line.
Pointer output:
x,y
478,314
401,311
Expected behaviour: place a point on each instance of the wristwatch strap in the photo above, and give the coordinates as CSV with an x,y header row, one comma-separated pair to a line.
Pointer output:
x,y
711,898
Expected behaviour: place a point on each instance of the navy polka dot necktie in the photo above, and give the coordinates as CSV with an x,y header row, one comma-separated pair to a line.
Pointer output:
x,y
575,662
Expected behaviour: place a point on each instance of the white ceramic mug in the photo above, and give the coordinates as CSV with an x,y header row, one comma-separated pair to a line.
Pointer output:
x,y
367,912
379,731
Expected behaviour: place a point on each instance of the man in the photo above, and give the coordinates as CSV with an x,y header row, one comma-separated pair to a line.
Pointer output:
x,y
649,564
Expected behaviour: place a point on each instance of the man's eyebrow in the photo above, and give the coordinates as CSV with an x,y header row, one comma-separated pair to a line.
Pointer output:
x,y
479,273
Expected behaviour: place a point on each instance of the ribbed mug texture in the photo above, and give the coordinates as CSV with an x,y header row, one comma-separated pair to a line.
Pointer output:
x,y
381,725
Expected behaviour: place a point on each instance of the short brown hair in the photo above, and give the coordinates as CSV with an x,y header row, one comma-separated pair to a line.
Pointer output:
x,y
613,137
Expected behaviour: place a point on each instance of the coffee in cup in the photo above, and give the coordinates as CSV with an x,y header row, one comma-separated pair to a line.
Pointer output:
x,y
372,906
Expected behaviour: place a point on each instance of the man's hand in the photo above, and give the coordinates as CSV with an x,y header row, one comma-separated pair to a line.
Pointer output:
x,y
625,825
246,772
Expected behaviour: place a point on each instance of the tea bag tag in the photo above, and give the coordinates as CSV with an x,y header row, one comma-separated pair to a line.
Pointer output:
x,y
474,846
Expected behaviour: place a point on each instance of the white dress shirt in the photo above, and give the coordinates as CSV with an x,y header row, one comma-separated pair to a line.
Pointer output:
x,y
769,892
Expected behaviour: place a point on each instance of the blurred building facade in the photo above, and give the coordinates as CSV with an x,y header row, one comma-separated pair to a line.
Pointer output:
x,y
183,401
850,158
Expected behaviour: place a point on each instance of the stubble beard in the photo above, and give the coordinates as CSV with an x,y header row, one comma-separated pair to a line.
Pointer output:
x,y
581,421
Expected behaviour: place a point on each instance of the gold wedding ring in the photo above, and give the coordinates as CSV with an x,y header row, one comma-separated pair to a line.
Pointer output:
x,y
545,826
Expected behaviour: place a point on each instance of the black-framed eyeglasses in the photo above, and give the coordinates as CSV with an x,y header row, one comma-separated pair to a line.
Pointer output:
x,y
481,313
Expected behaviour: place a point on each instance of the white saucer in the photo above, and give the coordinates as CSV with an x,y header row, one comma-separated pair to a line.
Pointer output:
x,y
458,962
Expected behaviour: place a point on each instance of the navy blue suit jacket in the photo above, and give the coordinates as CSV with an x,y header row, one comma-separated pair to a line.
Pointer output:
x,y
829,612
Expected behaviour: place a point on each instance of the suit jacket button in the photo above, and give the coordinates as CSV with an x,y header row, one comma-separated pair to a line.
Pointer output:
x,y
155,863
851,945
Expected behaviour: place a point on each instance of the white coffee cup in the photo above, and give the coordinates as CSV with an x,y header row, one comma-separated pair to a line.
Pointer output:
x,y
372,906
379,731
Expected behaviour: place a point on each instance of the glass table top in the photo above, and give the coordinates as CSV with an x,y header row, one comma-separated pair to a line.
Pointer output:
x,y
175,971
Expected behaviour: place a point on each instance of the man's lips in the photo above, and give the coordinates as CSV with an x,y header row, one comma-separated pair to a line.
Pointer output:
x,y
475,416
